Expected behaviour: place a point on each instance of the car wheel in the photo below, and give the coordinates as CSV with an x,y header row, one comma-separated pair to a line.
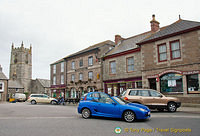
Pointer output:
x,y
53,102
172,107
129,116
86,113
33,102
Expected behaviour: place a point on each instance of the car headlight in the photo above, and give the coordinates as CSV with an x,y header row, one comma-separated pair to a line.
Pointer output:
x,y
143,110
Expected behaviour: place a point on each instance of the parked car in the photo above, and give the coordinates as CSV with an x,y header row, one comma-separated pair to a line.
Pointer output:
x,y
41,98
101,104
151,98
20,97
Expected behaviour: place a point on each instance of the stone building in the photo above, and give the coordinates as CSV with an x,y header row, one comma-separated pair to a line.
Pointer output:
x,y
3,86
171,60
20,76
20,69
84,69
58,79
40,86
122,65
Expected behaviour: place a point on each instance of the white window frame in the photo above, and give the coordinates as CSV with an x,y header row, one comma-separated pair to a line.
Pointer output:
x,y
90,75
54,69
73,65
90,61
62,79
73,77
81,76
54,80
62,67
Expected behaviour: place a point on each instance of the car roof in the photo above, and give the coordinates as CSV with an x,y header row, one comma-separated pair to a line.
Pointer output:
x,y
140,89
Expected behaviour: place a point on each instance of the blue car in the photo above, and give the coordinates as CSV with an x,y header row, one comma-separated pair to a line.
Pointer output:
x,y
102,104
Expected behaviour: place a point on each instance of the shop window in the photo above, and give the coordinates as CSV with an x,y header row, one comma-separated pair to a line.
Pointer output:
x,y
193,83
175,49
139,84
162,52
171,83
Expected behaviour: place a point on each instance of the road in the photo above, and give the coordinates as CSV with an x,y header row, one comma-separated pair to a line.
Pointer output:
x,y
24,119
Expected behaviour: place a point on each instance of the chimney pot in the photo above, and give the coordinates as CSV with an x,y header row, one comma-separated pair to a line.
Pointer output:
x,y
154,24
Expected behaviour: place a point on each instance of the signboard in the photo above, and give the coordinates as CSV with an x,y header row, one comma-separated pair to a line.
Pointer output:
x,y
171,83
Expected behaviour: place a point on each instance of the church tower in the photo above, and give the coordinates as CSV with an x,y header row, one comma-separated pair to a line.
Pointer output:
x,y
21,66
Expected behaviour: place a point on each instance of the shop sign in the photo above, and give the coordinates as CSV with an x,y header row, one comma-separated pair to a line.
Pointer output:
x,y
169,71
191,72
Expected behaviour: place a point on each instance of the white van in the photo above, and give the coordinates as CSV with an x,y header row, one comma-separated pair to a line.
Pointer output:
x,y
20,97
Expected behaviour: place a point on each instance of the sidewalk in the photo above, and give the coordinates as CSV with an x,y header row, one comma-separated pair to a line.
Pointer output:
x,y
190,108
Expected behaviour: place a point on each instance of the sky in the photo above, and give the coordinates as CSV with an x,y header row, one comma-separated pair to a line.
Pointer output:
x,y
57,28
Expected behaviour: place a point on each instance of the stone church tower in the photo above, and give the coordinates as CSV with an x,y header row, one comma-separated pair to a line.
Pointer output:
x,y
21,66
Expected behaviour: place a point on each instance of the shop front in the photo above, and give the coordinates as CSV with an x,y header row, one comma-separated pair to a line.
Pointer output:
x,y
115,87
58,91
176,82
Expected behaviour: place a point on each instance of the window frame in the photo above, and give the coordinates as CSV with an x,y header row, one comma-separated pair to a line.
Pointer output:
x,y
171,52
110,71
162,52
73,65
91,57
62,79
73,79
89,75
62,67
80,76
130,65
54,80
81,62
54,69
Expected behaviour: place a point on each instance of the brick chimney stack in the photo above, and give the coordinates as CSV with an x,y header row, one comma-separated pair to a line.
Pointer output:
x,y
154,24
118,39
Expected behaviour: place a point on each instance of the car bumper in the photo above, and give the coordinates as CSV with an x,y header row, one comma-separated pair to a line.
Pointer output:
x,y
144,115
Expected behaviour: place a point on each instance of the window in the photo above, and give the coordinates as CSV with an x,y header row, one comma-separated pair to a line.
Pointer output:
x,y
62,79
133,93
90,61
143,93
155,94
73,64
112,67
175,49
1,87
62,67
54,69
90,75
130,64
81,76
193,83
73,77
162,52
81,63
54,80
139,84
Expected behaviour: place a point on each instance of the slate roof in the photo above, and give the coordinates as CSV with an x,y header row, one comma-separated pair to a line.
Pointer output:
x,y
129,43
14,84
3,76
90,48
44,82
176,28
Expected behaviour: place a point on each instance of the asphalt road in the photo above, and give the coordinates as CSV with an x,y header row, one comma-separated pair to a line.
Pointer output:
x,y
24,119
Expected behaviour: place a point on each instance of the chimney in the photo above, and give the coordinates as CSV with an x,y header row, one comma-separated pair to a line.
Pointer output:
x,y
118,39
154,24
0,68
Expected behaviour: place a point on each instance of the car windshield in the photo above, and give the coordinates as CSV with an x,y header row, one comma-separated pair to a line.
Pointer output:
x,y
120,100
123,93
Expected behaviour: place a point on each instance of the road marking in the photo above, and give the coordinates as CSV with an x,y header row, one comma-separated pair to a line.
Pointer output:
x,y
8,118
174,116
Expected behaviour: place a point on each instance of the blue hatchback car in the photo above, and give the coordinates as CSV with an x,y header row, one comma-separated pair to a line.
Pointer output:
x,y
102,104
